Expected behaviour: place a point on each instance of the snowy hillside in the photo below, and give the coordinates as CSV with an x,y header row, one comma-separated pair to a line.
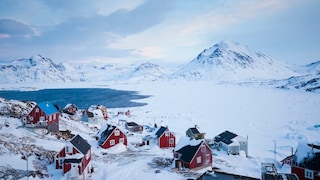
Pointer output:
x,y
145,72
228,60
34,69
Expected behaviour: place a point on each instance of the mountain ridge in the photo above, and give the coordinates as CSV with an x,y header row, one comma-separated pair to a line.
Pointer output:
x,y
225,61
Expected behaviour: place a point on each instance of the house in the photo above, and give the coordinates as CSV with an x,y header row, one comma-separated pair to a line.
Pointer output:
x,y
75,158
287,160
43,115
95,114
194,133
306,161
269,172
162,137
134,127
110,135
192,154
231,143
72,111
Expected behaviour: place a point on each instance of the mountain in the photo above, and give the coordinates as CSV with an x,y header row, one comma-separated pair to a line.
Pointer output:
x,y
229,60
145,72
34,69
312,68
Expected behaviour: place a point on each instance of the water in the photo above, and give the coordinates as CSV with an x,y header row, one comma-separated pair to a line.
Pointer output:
x,y
82,97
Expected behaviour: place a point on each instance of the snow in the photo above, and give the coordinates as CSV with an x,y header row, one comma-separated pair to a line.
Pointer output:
x,y
262,113
305,151
255,109
185,141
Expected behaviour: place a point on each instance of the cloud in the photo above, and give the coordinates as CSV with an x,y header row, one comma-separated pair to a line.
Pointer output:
x,y
13,28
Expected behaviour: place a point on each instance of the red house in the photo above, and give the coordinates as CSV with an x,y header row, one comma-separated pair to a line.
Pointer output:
x,y
192,154
110,136
75,158
165,138
306,162
43,115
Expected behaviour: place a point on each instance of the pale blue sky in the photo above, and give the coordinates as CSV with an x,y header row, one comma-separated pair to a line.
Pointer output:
x,y
160,31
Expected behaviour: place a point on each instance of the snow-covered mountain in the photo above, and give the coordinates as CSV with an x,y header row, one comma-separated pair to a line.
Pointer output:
x,y
145,72
225,61
229,60
34,69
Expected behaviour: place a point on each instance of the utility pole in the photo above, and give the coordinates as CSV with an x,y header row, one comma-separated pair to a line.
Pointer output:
x,y
275,150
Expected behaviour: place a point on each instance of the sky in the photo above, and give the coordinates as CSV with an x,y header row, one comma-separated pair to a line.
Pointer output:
x,y
159,31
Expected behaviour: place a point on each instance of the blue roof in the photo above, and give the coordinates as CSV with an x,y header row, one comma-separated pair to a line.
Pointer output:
x,y
47,108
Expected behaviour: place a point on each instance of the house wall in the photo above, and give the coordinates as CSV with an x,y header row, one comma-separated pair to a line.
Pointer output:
x,y
164,141
86,163
112,136
34,115
300,172
244,146
61,154
206,157
233,149
66,167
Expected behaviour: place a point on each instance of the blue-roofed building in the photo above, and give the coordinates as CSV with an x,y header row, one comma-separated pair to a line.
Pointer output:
x,y
43,115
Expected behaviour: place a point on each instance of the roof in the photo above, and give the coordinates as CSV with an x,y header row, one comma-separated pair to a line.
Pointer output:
x,y
47,108
105,132
194,130
81,144
132,124
187,152
226,137
160,131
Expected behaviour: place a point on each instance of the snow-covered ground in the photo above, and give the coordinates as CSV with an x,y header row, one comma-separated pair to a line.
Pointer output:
x,y
266,115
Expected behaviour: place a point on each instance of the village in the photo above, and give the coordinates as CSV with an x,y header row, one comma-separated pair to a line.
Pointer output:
x,y
193,153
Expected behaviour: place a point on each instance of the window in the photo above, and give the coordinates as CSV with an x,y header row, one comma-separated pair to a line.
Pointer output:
x,y
68,149
171,141
199,160
121,140
37,110
54,116
167,133
117,132
60,163
308,174
50,118
112,142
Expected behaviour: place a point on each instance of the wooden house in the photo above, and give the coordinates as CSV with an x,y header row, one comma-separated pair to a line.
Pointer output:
x,y
194,133
43,115
75,158
269,172
70,109
133,127
192,154
306,162
163,138
231,143
110,135
287,160
95,114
